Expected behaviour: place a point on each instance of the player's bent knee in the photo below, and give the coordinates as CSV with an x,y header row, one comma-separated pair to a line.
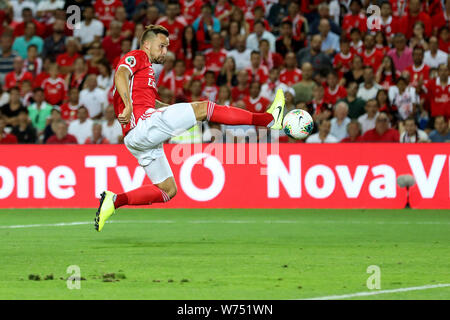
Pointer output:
x,y
169,187
200,109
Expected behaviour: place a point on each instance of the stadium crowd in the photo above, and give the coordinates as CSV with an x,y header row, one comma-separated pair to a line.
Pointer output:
x,y
364,77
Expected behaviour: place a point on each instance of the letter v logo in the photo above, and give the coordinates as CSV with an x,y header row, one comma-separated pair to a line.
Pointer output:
x,y
427,185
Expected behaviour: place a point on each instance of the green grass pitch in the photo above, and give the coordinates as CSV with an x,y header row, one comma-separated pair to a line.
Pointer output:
x,y
224,254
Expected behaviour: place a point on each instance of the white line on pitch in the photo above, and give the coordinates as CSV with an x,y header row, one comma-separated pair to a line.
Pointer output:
x,y
372,293
65,224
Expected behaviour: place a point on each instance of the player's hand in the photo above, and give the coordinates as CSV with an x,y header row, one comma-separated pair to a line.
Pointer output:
x,y
125,116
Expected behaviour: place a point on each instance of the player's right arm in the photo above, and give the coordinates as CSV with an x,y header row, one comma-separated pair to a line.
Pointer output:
x,y
122,82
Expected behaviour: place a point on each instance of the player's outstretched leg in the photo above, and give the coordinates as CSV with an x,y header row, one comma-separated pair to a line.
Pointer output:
x,y
273,117
144,195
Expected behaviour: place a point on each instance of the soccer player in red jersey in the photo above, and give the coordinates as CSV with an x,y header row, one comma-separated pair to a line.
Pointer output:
x,y
147,122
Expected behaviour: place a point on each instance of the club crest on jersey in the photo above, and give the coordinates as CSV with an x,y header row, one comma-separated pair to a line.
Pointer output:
x,y
131,61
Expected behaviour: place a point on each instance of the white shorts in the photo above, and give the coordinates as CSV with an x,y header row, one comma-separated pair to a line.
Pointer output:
x,y
145,141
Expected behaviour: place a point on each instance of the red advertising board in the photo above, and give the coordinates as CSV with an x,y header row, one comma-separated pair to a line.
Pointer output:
x,y
232,175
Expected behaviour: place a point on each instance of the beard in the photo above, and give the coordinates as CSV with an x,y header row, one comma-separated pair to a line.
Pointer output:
x,y
158,60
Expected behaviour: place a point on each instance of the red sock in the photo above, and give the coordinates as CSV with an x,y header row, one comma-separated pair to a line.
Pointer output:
x,y
235,116
144,195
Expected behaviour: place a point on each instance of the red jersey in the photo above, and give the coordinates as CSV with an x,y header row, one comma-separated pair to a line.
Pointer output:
x,y
261,74
373,59
391,26
210,92
191,10
12,79
291,77
342,62
416,73
175,31
7,138
65,60
200,76
37,83
54,90
238,94
259,104
399,7
105,10
68,139
391,135
438,97
354,21
215,60
387,80
444,45
143,89
408,21
112,48
69,112
331,96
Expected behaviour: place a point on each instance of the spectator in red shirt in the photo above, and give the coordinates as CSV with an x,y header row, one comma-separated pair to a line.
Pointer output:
x,y
444,39
387,75
66,60
381,132
371,56
61,136
438,93
54,87
354,132
6,138
69,110
255,102
27,16
195,91
354,19
418,71
18,75
199,69
241,90
291,74
343,59
415,14
127,26
97,136
191,9
112,43
174,24
333,91
106,9
215,57
389,24
257,71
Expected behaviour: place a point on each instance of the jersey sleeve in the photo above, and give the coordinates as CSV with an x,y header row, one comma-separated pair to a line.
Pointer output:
x,y
133,61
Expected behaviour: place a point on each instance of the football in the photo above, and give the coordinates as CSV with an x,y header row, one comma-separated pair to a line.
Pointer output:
x,y
298,124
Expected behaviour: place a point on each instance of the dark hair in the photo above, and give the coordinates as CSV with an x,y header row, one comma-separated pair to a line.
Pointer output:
x,y
393,71
153,30
286,22
259,22
193,44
